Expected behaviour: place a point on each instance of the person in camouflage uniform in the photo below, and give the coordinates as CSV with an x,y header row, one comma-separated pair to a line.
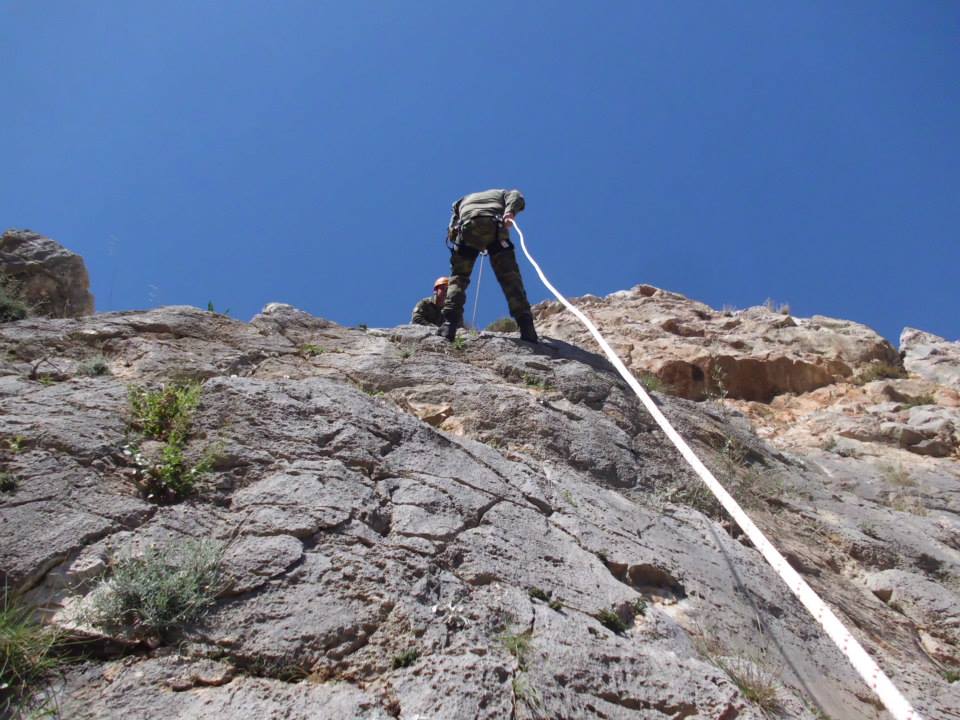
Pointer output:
x,y
428,310
480,223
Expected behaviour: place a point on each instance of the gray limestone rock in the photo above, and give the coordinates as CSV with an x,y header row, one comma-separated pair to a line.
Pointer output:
x,y
931,357
395,510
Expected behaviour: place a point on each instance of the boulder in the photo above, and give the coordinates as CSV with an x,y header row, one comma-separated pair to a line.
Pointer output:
x,y
931,357
51,280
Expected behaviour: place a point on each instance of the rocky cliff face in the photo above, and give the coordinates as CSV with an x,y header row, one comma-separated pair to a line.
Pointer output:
x,y
413,529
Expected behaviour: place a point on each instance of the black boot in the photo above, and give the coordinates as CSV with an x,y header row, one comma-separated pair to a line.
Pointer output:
x,y
448,330
527,331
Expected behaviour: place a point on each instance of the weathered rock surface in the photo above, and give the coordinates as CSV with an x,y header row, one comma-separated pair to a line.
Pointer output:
x,y
51,280
380,492
931,357
694,350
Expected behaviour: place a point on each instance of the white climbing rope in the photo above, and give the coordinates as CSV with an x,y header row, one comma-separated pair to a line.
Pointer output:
x,y
878,681
476,297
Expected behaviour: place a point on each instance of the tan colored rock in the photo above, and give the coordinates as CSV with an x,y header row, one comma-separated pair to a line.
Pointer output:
x,y
50,279
752,354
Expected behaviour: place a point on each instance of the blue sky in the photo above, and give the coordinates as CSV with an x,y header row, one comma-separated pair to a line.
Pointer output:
x,y
308,152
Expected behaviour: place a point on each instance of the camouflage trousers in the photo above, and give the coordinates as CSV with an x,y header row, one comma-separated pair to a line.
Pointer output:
x,y
503,260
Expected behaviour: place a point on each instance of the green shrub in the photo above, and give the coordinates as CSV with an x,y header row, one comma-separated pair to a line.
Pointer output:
x,y
160,591
527,695
459,343
12,306
536,593
756,685
8,483
26,657
897,475
610,620
166,415
537,382
924,399
518,645
311,350
879,371
503,325
213,309
406,658
94,366
651,382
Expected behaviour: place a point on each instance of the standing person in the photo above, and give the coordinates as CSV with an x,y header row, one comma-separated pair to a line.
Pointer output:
x,y
480,222
427,311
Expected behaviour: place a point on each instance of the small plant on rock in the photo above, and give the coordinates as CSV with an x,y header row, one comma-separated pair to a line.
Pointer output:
x,y
756,685
166,415
94,367
518,645
651,382
898,476
310,350
906,502
717,389
27,656
503,325
8,483
459,343
781,308
527,695
879,371
160,591
612,621
536,593
536,382
211,308
919,400
12,306
406,658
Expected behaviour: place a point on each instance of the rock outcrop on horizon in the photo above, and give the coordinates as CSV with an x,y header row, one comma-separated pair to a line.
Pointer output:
x,y
51,280
931,357
490,529
759,352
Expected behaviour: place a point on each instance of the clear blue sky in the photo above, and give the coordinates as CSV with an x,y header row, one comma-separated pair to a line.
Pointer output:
x,y
308,151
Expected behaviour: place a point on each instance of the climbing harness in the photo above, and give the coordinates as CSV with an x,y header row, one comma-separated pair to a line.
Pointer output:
x,y
878,681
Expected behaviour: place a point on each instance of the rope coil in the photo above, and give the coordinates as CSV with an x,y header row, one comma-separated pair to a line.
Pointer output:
x,y
865,665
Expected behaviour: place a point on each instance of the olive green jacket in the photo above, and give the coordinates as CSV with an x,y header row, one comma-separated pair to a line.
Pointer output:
x,y
488,203
427,312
